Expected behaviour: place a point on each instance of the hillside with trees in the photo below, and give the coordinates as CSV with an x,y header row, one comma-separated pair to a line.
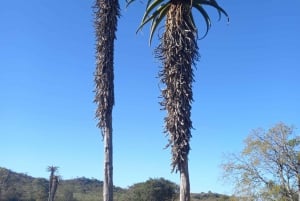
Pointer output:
x,y
22,187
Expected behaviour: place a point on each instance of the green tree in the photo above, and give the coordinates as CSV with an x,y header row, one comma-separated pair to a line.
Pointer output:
x,y
268,167
151,190
106,17
40,189
178,52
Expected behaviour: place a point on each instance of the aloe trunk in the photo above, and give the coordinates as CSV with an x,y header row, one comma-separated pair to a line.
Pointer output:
x,y
178,51
106,15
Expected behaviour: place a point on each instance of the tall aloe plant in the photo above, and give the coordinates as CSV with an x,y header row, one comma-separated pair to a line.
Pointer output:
x,y
178,52
106,18
53,182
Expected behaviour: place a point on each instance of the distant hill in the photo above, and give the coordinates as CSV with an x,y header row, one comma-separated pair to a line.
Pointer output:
x,y
21,187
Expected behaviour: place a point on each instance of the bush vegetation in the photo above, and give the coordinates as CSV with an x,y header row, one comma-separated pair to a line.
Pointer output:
x,y
21,187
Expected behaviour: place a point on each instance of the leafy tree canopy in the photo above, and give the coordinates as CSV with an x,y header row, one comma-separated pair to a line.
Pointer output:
x,y
152,190
268,168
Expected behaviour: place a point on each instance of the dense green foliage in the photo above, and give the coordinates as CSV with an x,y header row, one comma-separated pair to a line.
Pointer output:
x,y
152,190
21,187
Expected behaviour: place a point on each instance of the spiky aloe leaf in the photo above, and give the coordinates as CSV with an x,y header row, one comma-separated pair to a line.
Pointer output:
x,y
214,4
205,16
128,2
157,20
198,5
154,15
156,10
151,6
193,22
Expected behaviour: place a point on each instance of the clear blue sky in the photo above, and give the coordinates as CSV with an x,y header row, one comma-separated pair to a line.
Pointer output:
x,y
247,77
